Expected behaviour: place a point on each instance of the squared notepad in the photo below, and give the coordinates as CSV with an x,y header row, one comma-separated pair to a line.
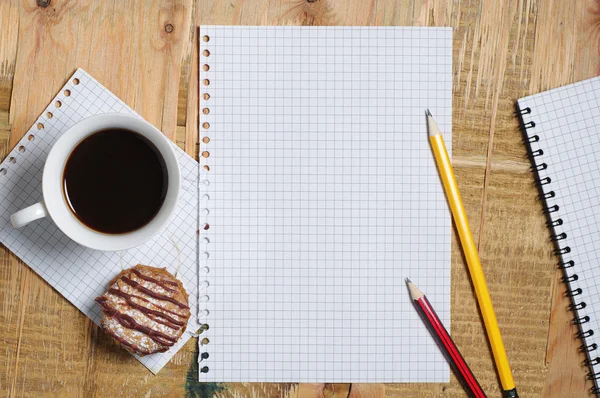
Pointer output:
x,y
78,273
562,128
319,194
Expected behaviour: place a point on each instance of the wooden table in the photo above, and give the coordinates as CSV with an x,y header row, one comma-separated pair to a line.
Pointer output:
x,y
145,52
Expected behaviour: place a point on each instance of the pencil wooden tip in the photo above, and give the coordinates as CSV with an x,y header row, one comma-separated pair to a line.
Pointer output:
x,y
432,127
413,290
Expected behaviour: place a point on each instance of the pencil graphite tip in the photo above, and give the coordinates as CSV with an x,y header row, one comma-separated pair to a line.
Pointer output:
x,y
407,280
427,113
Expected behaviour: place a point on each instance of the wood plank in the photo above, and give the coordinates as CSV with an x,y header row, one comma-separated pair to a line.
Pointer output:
x,y
186,93
11,283
191,123
9,29
138,59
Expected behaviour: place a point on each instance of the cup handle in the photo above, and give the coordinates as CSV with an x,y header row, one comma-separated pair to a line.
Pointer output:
x,y
28,214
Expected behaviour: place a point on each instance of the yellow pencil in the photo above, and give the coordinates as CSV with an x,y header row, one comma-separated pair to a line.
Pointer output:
x,y
470,250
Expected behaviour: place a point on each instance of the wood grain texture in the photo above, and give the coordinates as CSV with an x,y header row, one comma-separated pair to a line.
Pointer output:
x,y
577,30
503,50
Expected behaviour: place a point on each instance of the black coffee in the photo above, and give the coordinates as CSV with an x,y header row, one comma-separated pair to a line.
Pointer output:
x,y
115,181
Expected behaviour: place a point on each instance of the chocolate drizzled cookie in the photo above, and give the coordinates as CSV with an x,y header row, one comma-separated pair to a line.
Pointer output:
x,y
145,309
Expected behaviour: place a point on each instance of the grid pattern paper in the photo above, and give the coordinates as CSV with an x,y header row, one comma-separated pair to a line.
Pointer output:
x,y
324,196
78,273
567,123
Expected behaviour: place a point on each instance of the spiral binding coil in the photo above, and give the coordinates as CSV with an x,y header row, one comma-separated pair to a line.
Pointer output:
x,y
204,227
559,238
582,320
588,348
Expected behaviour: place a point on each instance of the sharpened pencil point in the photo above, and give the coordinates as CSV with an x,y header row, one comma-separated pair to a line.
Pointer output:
x,y
432,127
413,290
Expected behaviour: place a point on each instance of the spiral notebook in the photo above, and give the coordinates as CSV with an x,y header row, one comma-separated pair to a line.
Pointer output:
x,y
318,195
81,274
562,129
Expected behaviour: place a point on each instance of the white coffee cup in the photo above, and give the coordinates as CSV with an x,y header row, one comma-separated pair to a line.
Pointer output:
x,y
55,206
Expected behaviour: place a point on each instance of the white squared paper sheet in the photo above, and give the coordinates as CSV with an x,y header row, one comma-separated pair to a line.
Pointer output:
x,y
323,195
567,125
78,273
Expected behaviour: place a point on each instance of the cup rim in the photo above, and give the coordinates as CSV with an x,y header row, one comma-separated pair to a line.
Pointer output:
x,y
52,181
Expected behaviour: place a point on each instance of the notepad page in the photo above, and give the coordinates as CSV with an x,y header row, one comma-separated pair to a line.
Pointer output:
x,y
78,273
567,122
322,196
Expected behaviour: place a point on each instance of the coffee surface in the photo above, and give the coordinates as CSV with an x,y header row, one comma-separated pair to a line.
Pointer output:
x,y
115,181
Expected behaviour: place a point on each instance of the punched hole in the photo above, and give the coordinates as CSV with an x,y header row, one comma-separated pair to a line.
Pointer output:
x,y
206,111
205,154
206,255
205,341
21,149
204,298
205,313
205,326
206,96
205,125
49,115
67,93
206,82
40,126
206,240
204,355
76,81
206,269
206,53
206,182
205,67
206,197
205,38
2,172
206,140
206,167
205,212
204,369
205,284
12,160
58,104
30,137
206,227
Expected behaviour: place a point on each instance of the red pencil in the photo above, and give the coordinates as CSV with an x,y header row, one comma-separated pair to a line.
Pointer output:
x,y
444,341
